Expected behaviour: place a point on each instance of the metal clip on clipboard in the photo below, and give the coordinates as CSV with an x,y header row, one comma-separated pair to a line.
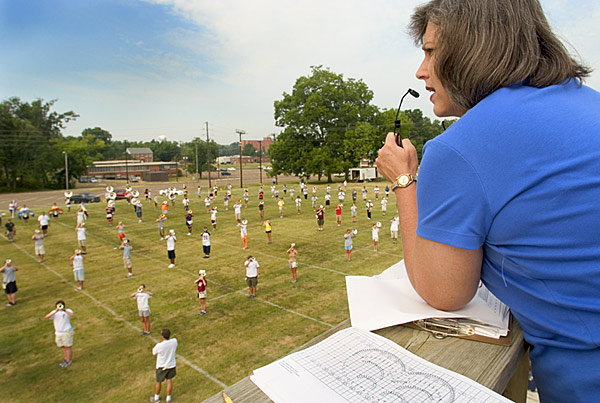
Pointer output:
x,y
443,327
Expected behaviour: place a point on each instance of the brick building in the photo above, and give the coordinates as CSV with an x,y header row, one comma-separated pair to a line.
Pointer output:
x,y
265,143
142,154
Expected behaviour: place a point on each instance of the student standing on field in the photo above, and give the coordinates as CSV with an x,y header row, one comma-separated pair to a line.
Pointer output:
x,y
171,239
293,263
369,209
109,215
338,214
38,243
9,281
394,225
348,243
121,231
280,204
206,243
127,257
268,230
189,221
213,217
160,221
78,273
244,233
237,210
320,214
165,353
364,193
201,284
375,235
10,230
384,203
353,211
261,210
81,237
252,275
44,221
63,331
298,204
143,306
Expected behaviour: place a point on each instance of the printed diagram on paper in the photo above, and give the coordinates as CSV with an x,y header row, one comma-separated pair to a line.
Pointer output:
x,y
359,366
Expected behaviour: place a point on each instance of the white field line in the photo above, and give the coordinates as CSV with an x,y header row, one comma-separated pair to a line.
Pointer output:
x,y
231,288
121,319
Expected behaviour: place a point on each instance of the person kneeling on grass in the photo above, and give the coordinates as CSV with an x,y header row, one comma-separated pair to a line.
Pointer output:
x,y
142,297
165,353
201,283
63,331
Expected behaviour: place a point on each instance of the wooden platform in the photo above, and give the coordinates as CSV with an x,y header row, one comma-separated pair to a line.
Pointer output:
x,y
502,369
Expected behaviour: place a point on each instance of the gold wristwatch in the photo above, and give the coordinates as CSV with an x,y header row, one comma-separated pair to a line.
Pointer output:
x,y
403,181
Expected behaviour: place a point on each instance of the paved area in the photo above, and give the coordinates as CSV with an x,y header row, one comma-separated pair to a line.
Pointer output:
x,y
44,198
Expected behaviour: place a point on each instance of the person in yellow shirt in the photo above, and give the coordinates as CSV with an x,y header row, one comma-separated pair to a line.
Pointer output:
x,y
280,204
268,228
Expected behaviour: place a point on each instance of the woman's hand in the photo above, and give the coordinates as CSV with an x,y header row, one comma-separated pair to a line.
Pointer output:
x,y
394,161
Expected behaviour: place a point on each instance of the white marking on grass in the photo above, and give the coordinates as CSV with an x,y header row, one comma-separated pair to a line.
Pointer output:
x,y
117,317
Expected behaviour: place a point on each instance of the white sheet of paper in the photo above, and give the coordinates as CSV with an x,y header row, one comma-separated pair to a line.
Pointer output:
x,y
389,299
354,366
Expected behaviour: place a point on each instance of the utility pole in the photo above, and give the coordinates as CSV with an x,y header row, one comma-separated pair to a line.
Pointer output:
x,y
260,159
126,167
197,174
208,155
274,139
66,170
240,132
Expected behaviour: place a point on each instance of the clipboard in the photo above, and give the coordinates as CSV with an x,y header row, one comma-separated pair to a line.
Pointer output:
x,y
462,328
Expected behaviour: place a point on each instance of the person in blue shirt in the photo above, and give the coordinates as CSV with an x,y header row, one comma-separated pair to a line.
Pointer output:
x,y
509,193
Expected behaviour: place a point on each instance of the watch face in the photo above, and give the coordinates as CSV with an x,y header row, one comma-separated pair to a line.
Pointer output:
x,y
403,180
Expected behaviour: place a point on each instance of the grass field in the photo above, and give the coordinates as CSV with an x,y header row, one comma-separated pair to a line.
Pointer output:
x,y
111,361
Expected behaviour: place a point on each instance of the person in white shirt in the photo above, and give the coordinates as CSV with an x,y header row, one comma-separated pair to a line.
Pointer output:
x,y
81,214
384,203
165,353
207,203
77,260
244,233
375,235
142,297
237,209
38,243
395,224
63,331
44,221
81,238
252,275
213,217
186,203
206,243
298,204
353,210
376,190
171,239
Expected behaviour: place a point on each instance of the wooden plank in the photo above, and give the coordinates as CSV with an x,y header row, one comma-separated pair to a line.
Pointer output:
x,y
488,364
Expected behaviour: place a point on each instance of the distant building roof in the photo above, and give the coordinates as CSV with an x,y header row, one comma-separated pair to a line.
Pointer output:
x,y
139,150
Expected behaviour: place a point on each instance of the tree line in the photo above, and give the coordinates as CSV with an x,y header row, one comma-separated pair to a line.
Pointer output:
x,y
329,125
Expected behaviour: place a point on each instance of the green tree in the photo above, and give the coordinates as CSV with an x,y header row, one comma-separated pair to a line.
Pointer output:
x,y
249,150
189,150
31,143
316,118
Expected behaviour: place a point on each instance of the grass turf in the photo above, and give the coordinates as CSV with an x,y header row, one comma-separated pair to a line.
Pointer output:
x,y
110,358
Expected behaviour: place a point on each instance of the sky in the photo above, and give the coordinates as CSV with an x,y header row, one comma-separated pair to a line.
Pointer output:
x,y
148,68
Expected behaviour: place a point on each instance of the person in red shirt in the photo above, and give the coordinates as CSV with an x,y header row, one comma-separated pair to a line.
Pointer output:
x,y
320,217
338,214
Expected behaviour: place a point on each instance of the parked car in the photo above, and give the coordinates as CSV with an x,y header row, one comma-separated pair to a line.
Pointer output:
x,y
83,179
84,198
225,173
134,179
93,179
121,194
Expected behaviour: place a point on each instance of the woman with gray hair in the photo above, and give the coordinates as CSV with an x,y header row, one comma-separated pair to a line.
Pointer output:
x,y
509,193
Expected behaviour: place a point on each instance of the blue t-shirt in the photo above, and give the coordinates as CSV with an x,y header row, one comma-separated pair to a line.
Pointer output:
x,y
519,174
